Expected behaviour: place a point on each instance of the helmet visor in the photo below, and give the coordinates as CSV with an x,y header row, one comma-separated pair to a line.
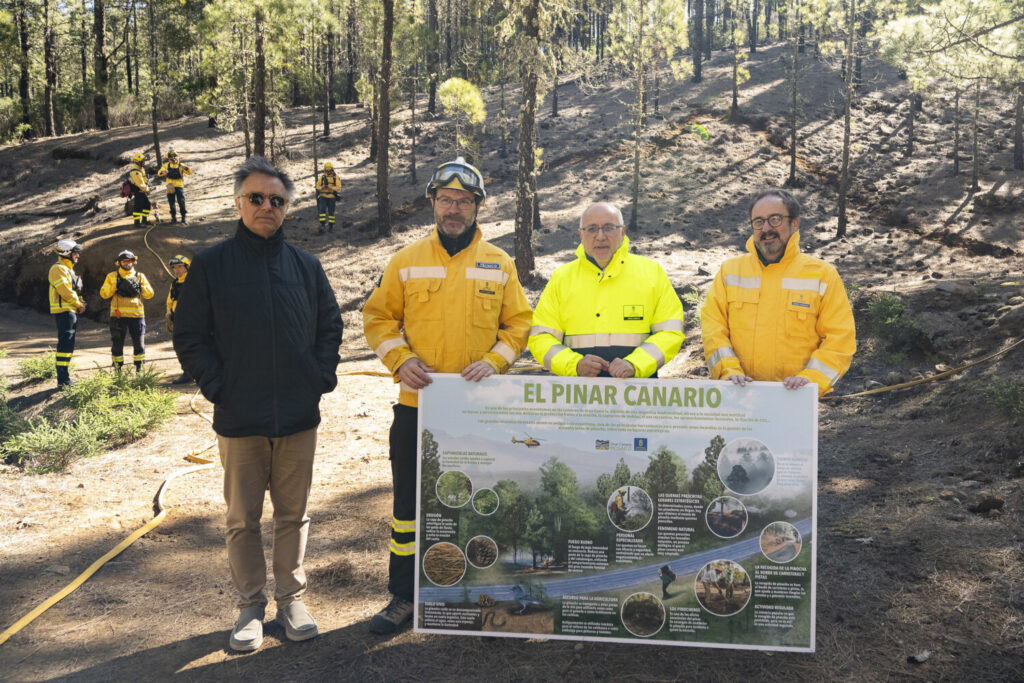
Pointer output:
x,y
467,175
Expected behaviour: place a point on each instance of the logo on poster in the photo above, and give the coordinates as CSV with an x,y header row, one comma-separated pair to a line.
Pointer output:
x,y
640,443
601,444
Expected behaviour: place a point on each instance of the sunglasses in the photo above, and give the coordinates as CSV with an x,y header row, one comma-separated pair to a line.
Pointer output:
x,y
256,199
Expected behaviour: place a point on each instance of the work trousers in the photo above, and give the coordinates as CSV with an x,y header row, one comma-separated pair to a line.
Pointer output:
x,y
251,465
402,566
67,325
140,213
325,209
136,327
176,193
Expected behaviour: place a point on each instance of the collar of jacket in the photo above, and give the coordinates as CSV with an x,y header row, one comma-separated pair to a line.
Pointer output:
x,y
125,273
614,264
256,244
792,249
66,262
182,278
459,243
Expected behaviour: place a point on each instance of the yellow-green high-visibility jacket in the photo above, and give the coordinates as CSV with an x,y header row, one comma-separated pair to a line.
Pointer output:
x,y
629,310
328,185
137,177
174,174
63,296
786,319
124,307
448,311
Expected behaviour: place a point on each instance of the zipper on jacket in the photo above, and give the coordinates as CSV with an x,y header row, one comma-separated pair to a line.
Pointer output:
x,y
273,340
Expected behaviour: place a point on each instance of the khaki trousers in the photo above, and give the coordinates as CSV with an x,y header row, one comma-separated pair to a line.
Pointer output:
x,y
252,464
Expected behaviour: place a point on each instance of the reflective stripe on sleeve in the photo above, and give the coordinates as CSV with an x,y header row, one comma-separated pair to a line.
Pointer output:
x,y
815,364
540,329
667,326
805,285
590,341
505,351
421,272
403,549
552,352
403,526
743,282
389,345
719,355
654,352
498,276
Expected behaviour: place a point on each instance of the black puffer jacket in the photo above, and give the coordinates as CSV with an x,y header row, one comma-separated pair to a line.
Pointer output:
x,y
258,326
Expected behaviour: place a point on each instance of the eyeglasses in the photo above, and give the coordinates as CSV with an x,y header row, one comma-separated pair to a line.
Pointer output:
x,y
774,220
256,199
463,203
592,230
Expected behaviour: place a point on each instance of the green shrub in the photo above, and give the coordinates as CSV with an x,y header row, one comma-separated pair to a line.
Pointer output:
x,y
699,131
40,367
3,352
886,308
10,422
46,447
1006,396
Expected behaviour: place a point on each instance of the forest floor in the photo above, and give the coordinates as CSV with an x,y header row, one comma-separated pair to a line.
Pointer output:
x,y
904,564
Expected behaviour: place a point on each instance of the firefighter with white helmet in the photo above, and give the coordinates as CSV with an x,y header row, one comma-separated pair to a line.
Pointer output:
x,y
139,191
179,266
328,185
126,288
66,303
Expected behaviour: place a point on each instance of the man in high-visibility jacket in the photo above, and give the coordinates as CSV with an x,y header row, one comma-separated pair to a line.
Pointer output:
x,y
775,313
449,302
328,185
609,312
66,303
139,191
174,172
126,288
179,268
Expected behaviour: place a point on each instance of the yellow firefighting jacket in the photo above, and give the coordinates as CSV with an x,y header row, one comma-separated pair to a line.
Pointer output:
x,y
629,310
124,307
448,311
174,174
63,296
786,319
137,177
328,185
172,301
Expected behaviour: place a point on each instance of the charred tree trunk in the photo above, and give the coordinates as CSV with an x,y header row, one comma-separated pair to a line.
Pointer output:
x,y
350,80
99,57
794,81
956,132
752,25
384,122
24,92
49,125
412,118
697,46
260,90
1018,129
433,59
153,82
332,38
844,175
709,28
976,166
327,90
526,196
638,127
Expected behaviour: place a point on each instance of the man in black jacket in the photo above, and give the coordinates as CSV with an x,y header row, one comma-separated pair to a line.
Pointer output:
x,y
258,327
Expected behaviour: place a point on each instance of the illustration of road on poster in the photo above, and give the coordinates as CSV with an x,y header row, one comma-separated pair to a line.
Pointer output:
x,y
677,512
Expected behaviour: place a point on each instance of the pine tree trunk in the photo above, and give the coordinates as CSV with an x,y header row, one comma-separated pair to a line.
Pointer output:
x,y
49,124
1018,129
911,133
709,28
23,76
259,90
734,108
332,38
153,81
327,90
794,83
99,56
526,196
412,118
127,53
976,166
844,175
384,122
84,54
697,47
638,128
752,25
956,132
350,83
243,92
554,94
433,60
135,49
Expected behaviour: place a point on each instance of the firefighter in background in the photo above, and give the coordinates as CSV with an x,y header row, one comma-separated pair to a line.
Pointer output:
x,y
126,288
174,172
179,267
140,191
328,185
66,303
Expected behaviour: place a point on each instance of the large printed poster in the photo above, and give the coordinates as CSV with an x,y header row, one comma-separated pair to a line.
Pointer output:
x,y
677,512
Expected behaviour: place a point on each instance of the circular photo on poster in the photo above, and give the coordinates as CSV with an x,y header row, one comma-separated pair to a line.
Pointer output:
x,y
643,614
485,502
781,542
746,466
726,517
630,508
482,551
453,488
723,587
444,564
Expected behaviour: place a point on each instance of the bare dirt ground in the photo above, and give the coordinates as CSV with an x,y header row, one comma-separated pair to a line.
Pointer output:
x,y
904,565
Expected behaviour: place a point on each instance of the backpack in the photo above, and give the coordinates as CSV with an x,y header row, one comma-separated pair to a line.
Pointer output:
x,y
126,188
128,287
